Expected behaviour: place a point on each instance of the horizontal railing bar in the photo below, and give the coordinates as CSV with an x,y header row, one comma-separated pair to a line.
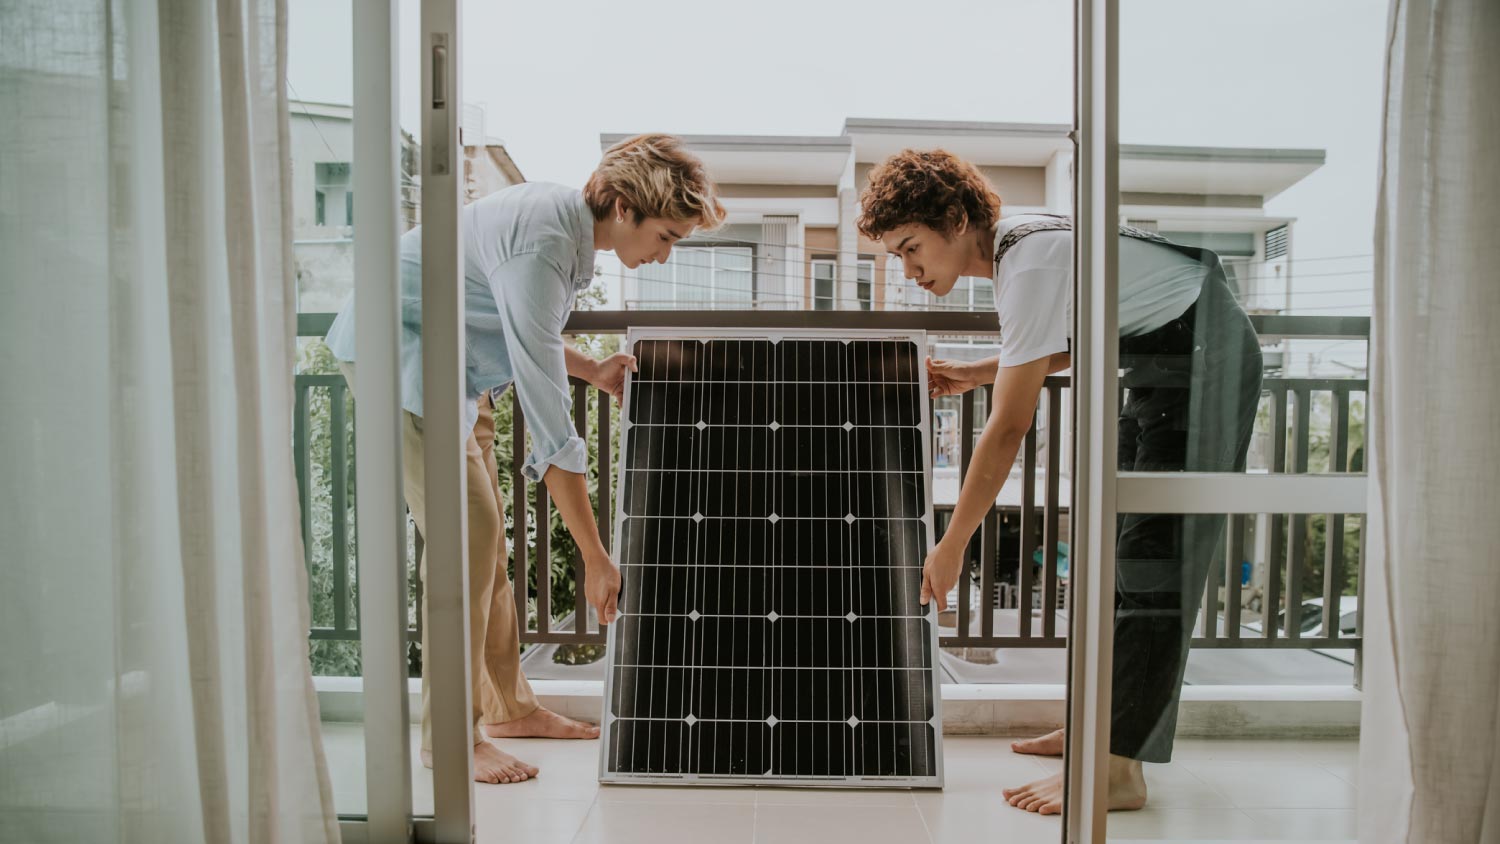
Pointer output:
x,y
1323,644
1270,327
1320,385
1217,494
1003,642
314,324
947,322
562,638
330,634
1344,643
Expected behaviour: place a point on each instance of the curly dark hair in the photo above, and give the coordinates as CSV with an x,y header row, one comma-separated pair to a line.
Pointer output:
x,y
935,188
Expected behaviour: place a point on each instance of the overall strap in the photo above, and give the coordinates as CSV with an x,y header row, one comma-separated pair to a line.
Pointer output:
x,y
1056,222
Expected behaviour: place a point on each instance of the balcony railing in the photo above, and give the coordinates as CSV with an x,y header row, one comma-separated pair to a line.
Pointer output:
x,y
1002,574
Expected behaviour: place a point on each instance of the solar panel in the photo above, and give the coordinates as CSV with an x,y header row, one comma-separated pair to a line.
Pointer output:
x,y
772,520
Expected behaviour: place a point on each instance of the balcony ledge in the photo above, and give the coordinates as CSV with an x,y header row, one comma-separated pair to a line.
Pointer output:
x,y
1234,712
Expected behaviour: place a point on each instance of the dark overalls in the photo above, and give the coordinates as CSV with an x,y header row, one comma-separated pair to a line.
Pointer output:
x,y
1191,391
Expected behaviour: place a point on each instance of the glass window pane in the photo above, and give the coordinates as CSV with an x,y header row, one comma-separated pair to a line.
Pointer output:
x,y
1242,217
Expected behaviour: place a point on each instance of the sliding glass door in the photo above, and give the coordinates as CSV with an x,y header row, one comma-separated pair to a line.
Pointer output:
x,y
1222,323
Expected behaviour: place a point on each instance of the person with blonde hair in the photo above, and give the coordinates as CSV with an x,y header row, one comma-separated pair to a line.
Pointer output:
x,y
528,250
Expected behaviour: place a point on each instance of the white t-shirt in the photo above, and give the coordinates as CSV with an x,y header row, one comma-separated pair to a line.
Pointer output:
x,y
1034,290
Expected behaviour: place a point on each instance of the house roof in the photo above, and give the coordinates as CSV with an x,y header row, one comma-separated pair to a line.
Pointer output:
x,y
989,143
1244,172
307,108
799,159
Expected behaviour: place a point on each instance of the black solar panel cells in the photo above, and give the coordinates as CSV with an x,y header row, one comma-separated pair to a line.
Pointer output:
x,y
774,523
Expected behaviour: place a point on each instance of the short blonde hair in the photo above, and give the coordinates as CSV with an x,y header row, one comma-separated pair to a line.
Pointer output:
x,y
654,176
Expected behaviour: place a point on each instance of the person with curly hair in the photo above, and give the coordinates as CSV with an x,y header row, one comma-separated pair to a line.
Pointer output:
x,y
1192,371
528,252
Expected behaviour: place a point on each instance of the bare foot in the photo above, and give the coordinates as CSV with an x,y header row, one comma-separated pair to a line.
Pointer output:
x,y
1049,745
543,723
1127,790
493,765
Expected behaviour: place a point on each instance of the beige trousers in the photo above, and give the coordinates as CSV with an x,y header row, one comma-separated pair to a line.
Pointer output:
x,y
501,692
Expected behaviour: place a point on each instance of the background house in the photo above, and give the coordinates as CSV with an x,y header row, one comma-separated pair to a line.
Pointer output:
x,y
790,239
323,192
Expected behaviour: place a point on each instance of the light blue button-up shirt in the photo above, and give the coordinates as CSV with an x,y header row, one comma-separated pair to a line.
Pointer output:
x,y
528,251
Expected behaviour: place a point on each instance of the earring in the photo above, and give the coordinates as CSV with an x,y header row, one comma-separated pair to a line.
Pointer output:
x,y
620,219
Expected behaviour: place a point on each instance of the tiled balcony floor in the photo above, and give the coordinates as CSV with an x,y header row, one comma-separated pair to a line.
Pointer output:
x,y
1213,790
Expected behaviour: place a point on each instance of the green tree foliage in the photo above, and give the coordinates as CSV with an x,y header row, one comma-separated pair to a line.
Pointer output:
x,y
1314,536
1321,459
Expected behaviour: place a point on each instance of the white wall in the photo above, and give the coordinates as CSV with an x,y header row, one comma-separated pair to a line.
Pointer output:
x,y
324,255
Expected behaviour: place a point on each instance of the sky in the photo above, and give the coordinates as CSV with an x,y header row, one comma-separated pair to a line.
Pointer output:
x,y
1277,73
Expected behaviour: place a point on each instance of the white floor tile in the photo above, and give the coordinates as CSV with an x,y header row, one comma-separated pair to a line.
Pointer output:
x,y
968,819
1173,786
1344,751
569,769
987,774
895,797
531,821
1183,824
775,824
1285,785
1349,773
674,794
1326,752
1305,824
667,823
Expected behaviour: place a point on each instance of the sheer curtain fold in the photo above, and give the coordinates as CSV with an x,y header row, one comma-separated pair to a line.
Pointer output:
x,y
1430,749
156,687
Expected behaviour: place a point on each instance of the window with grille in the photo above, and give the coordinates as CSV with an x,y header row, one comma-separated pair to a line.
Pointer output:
x,y
864,284
698,277
1276,242
333,197
824,278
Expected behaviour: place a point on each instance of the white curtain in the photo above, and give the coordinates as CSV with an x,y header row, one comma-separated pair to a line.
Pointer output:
x,y
1430,747
154,678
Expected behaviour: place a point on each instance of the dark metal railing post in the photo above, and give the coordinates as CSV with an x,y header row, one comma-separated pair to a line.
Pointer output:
x,y
1026,573
1297,539
338,437
518,516
1234,594
1211,594
966,453
606,512
1272,599
543,561
988,541
300,423
1050,518
1333,556
580,596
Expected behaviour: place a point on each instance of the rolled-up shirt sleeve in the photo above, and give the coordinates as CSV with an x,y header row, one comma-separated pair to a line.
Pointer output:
x,y
533,296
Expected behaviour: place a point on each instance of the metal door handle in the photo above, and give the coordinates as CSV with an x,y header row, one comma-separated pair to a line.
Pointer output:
x,y
439,76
